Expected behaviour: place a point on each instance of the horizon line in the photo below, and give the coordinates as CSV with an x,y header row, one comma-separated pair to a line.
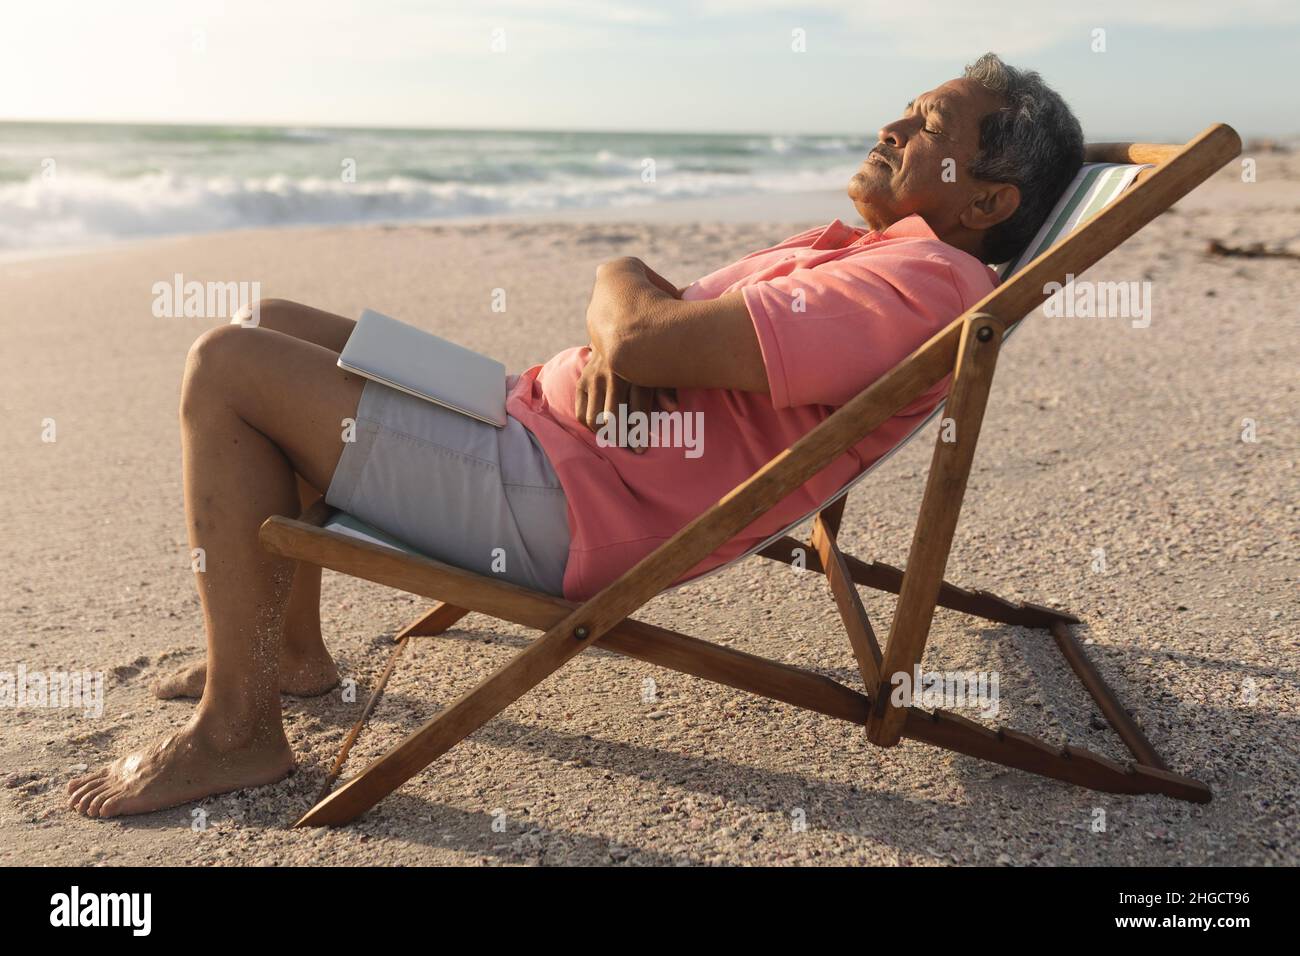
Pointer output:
x,y
265,124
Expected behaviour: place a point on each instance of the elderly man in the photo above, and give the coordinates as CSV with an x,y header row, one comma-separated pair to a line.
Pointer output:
x,y
760,351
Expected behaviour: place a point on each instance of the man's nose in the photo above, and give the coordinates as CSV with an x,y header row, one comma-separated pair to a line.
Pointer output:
x,y
895,134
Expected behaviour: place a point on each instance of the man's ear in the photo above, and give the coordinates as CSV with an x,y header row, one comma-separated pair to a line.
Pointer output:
x,y
991,204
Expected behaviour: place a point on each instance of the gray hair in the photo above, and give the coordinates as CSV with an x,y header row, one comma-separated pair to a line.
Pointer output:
x,y
1034,142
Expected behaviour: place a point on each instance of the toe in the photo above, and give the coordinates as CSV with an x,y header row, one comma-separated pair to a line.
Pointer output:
x,y
95,808
167,688
112,806
87,798
85,785
76,783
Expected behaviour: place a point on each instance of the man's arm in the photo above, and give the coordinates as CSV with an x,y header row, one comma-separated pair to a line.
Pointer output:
x,y
650,336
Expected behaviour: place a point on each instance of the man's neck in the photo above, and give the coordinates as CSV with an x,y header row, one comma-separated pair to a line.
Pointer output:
x,y
970,241
966,240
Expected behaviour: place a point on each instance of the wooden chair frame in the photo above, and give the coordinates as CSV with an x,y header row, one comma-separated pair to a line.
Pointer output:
x,y
968,349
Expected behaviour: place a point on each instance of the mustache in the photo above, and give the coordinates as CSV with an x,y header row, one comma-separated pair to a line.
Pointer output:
x,y
886,153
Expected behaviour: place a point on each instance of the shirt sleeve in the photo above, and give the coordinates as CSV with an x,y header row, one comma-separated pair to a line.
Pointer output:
x,y
828,332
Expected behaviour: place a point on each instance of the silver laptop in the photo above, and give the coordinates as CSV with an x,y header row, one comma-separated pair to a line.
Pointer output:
x,y
421,364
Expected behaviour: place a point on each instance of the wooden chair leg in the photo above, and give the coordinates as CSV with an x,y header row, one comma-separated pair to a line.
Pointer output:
x,y
831,516
441,617
847,601
1110,705
469,712
1070,764
342,756
927,559
885,577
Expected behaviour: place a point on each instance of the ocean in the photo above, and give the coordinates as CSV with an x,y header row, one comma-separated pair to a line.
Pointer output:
x,y
72,184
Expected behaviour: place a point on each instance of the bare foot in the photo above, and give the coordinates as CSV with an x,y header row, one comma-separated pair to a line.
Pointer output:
x,y
300,676
194,763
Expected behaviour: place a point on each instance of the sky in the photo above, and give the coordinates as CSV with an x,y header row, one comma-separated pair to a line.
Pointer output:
x,y
1165,68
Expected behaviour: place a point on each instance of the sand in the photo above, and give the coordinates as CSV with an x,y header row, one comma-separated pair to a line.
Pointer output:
x,y
1098,435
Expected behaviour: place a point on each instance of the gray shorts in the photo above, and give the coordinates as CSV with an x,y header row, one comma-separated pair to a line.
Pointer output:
x,y
456,489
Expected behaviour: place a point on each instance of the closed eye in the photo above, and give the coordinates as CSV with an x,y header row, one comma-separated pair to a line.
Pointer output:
x,y
927,107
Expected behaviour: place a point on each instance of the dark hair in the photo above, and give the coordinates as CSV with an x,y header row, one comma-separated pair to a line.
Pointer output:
x,y
1034,142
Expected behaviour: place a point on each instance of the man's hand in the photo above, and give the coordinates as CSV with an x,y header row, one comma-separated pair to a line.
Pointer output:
x,y
601,391
630,267
625,293
646,333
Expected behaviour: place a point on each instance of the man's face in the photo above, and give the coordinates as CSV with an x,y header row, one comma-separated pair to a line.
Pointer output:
x,y
919,165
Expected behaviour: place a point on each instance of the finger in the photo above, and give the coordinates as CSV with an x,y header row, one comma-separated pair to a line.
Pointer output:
x,y
616,393
658,280
595,402
580,401
642,399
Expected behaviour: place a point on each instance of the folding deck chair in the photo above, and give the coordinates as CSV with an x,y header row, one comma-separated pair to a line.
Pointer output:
x,y
1095,215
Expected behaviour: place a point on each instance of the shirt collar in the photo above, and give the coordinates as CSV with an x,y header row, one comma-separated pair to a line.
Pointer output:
x,y
837,234
910,227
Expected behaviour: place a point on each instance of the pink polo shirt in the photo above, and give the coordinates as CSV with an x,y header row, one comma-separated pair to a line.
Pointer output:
x,y
834,308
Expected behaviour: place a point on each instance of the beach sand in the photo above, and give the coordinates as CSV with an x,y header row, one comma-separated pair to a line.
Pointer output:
x,y
1098,436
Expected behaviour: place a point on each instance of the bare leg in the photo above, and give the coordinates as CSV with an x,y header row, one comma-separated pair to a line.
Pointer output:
x,y
306,668
257,408
317,326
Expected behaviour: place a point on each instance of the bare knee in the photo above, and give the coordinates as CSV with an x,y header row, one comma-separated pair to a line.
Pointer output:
x,y
268,314
299,321
212,367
